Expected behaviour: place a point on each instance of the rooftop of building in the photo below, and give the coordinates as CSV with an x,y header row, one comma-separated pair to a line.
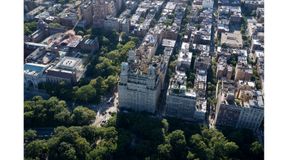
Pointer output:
x,y
43,15
203,58
168,43
229,2
143,57
185,56
201,75
36,10
201,105
69,63
37,56
232,51
178,86
68,13
69,39
201,47
232,38
241,94
170,5
168,51
90,41
34,69
86,4
230,9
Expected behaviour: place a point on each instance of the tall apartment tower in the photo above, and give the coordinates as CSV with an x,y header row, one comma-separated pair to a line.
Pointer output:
x,y
239,107
180,100
119,4
86,10
102,8
138,92
140,79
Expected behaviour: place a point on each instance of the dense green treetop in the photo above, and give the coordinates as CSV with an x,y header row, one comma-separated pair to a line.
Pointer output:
x,y
53,112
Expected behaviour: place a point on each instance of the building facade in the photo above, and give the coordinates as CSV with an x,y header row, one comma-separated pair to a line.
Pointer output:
x,y
239,105
141,77
180,101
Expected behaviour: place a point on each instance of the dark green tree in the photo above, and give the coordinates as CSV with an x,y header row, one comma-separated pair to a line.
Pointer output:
x,y
30,27
190,156
66,143
212,144
30,135
37,149
51,112
85,94
257,150
89,133
164,151
165,125
83,116
105,41
66,151
178,142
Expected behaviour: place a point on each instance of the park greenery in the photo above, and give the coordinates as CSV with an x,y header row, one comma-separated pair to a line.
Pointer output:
x,y
65,1
30,135
30,27
55,25
143,136
191,73
211,84
53,112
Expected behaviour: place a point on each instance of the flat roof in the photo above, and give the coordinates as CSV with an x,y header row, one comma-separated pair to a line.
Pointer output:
x,y
168,43
32,68
36,44
170,5
233,39
68,63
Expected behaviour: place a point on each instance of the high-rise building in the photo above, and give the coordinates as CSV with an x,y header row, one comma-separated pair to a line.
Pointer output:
x,y
184,58
180,100
141,77
86,10
119,4
239,105
102,8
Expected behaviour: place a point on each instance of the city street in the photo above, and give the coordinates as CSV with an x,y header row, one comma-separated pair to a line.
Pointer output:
x,y
105,110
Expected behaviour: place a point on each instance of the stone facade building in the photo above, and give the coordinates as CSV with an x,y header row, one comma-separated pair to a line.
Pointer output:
x,y
141,77
239,106
180,100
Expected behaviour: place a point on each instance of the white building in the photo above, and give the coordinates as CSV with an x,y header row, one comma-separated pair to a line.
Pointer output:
x,y
141,77
180,100
68,69
184,58
208,4
34,74
139,92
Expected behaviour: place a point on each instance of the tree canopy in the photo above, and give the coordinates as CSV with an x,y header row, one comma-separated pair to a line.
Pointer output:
x,y
86,93
39,112
37,149
82,115
142,136
212,144
30,27
53,112
30,135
